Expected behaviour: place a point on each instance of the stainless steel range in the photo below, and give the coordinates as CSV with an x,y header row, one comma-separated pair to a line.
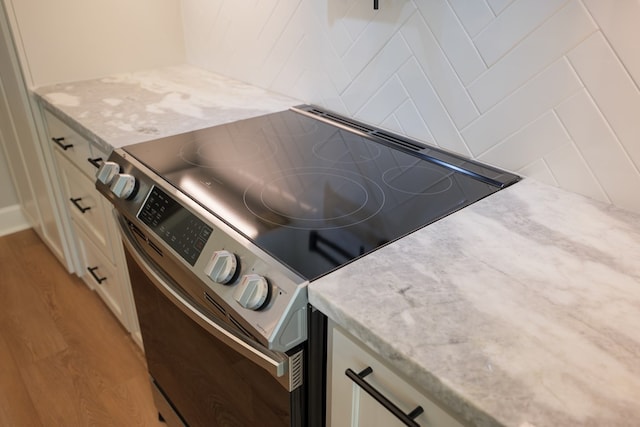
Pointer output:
x,y
225,227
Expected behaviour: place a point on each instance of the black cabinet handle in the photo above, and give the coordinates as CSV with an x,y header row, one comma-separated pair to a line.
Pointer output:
x,y
95,162
375,4
92,271
407,419
76,203
61,144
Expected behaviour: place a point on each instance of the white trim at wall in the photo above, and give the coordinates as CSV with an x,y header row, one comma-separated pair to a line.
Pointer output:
x,y
12,220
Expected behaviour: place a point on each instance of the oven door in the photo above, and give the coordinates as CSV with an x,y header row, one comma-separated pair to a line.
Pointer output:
x,y
201,373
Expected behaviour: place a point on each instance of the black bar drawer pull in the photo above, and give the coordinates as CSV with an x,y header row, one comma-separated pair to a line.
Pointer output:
x,y
61,144
76,203
96,162
92,271
407,419
375,4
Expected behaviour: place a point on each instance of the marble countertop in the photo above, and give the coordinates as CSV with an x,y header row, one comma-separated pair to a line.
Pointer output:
x,y
123,109
519,310
522,309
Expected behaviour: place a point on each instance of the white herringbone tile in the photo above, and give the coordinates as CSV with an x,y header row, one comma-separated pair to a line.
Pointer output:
x,y
564,30
533,141
410,122
441,74
571,172
452,39
620,24
512,26
498,6
474,15
379,70
538,170
428,104
384,102
548,88
600,149
612,88
374,37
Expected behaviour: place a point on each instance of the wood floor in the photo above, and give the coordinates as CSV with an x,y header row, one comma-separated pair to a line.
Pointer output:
x,y
64,358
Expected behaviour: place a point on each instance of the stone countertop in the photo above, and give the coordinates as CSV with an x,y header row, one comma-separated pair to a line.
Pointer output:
x,y
522,309
124,109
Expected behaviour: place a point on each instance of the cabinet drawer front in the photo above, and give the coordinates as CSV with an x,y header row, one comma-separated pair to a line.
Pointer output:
x,y
101,275
352,406
72,146
86,206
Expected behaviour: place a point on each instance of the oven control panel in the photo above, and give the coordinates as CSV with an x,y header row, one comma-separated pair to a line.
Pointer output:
x,y
180,229
223,271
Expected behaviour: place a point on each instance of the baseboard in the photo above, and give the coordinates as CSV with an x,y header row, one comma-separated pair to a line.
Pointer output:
x,y
12,220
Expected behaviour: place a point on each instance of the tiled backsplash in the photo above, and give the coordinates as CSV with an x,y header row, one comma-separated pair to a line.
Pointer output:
x,y
545,88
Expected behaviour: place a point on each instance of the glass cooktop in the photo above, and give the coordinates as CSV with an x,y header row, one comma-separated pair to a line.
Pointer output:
x,y
315,195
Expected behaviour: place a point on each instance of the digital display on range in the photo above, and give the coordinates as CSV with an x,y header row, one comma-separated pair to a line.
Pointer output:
x,y
175,225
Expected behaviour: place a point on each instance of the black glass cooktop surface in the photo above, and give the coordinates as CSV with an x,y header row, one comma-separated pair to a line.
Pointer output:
x,y
312,194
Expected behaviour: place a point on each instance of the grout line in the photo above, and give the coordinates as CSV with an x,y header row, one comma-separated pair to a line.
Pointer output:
x,y
609,45
575,146
277,39
602,115
448,61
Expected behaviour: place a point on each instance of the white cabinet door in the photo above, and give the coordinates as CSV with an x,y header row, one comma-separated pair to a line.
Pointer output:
x,y
349,405
102,276
100,258
86,206
69,143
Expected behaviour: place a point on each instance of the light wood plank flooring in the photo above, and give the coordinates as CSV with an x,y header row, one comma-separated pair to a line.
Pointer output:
x,y
64,358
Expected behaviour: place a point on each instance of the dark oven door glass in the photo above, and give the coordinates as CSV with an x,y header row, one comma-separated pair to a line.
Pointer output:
x,y
208,383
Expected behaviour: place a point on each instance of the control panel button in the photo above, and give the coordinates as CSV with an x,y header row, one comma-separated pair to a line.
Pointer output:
x,y
123,185
253,292
222,267
107,171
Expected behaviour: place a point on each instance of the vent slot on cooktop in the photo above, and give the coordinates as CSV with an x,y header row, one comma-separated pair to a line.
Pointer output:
x,y
349,123
397,141
430,153
370,131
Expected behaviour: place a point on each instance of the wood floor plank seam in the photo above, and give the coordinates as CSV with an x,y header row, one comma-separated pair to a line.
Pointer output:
x,y
65,359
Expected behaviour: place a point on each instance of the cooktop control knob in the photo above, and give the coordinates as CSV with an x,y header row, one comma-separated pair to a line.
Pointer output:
x,y
253,292
123,185
107,171
222,267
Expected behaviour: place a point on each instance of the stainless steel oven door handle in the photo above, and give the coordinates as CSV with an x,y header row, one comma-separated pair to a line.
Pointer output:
x,y
269,362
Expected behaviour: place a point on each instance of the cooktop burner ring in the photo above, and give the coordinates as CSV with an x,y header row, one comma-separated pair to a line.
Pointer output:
x,y
440,181
364,202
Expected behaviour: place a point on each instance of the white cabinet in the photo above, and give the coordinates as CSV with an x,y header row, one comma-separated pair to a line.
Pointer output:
x,y
27,160
349,404
100,257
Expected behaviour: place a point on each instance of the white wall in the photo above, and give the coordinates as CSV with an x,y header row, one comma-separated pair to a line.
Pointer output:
x,y
546,88
69,40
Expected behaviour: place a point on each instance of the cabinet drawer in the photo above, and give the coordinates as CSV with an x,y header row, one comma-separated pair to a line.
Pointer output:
x,y
351,405
74,147
86,206
101,275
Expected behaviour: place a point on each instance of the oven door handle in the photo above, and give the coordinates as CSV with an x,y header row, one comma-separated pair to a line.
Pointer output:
x,y
278,368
